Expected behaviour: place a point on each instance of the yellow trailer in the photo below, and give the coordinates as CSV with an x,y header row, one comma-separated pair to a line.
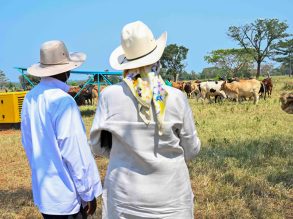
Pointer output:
x,y
10,107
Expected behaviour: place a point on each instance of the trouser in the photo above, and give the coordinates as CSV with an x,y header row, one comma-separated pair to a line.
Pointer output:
x,y
80,215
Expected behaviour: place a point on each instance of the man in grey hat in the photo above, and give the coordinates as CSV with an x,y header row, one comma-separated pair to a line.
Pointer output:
x,y
65,178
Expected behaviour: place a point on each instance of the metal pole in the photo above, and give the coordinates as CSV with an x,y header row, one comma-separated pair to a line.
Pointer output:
x,y
99,86
106,79
24,77
290,64
89,80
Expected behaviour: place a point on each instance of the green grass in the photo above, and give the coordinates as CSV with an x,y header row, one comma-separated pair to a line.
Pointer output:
x,y
244,169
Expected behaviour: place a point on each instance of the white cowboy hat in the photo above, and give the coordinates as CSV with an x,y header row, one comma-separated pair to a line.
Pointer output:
x,y
55,59
138,47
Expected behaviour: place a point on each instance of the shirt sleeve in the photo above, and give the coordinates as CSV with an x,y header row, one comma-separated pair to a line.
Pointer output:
x,y
188,135
26,132
76,153
97,127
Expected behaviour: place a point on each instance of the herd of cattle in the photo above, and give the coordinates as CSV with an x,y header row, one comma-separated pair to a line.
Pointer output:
x,y
88,95
234,89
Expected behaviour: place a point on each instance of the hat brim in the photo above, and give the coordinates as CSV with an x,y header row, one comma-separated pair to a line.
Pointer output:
x,y
75,60
117,57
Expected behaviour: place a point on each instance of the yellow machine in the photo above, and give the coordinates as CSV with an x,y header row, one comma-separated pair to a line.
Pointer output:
x,y
10,107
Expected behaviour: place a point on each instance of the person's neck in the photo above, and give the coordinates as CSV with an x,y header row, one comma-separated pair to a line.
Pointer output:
x,y
61,77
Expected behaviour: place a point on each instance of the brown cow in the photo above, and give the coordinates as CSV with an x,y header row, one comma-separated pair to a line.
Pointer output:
x,y
268,86
179,85
195,88
188,89
191,88
287,102
95,94
242,88
87,93
80,100
74,89
85,96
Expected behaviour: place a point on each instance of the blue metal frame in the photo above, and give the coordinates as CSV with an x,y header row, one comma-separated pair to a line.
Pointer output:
x,y
103,74
22,70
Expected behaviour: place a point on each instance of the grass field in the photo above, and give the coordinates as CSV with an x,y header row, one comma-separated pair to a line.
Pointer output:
x,y
244,170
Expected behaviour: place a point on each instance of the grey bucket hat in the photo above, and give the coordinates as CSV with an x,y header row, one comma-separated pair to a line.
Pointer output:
x,y
55,59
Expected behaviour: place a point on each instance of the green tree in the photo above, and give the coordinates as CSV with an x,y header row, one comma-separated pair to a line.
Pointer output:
x,y
277,71
3,80
212,73
164,75
114,78
259,35
72,83
283,51
26,85
231,60
188,75
173,60
266,69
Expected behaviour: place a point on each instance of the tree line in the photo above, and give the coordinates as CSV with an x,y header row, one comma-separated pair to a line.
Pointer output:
x,y
259,41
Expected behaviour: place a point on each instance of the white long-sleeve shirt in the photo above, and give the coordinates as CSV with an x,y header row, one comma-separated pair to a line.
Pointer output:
x,y
63,169
147,176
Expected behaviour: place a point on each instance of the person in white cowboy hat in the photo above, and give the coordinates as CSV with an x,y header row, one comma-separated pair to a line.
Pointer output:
x,y
65,178
147,130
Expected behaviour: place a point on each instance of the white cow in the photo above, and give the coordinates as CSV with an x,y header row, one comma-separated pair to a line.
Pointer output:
x,y
211,89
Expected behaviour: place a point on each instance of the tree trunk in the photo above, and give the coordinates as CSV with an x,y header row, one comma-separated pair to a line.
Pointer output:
x,y
176,77
290,66
258,70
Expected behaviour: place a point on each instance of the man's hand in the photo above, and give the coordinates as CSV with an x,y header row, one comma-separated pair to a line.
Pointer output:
x,y
91,207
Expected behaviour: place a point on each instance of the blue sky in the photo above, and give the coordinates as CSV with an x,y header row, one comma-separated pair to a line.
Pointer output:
x,y
94,26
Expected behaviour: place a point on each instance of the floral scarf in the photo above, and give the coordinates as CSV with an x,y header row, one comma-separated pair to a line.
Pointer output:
x,y
147,88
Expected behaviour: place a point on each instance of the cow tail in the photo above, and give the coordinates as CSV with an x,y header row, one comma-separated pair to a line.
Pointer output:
x,y
200,93
263,89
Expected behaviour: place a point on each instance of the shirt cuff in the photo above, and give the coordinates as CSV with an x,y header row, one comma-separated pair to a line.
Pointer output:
x,y
93,192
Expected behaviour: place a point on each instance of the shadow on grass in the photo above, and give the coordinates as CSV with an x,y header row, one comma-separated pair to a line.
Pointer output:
x,y
255,155
15,200
19,203
6,126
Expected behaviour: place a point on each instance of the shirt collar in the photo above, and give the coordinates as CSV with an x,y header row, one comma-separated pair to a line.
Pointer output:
x,y
53,82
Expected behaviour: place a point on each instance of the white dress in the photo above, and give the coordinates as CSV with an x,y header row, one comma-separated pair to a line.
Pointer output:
x,y
147,176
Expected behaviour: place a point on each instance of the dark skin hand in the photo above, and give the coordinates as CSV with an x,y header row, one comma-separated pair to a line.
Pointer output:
x,y
91,207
